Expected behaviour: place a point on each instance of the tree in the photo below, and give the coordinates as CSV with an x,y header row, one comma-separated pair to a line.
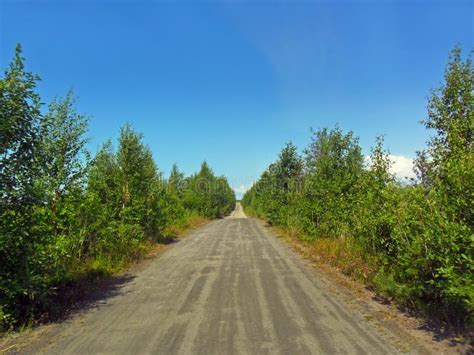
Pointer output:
x,y
103,178
284,179
176,181
374,219
23,257
65,157
140,182
289,167
447,164
208,195
334,165
447,171
19,120
199,196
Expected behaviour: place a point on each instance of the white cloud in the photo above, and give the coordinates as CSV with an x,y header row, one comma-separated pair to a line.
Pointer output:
x,y
402,167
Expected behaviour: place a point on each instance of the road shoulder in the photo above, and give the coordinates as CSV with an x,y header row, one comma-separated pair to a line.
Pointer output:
x,y
30,338
413,334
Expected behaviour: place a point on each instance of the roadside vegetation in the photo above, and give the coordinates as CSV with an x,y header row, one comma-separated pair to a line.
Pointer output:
x,y
413,241
66,216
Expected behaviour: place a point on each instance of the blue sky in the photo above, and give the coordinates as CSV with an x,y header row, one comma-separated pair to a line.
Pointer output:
x,y
232,81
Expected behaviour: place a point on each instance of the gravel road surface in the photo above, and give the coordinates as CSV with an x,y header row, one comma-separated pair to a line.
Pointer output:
x,y
229,287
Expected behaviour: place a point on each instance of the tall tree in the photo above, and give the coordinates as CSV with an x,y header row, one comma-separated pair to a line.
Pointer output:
x,y
140,181
289,167
63,146
447,165
23,257
19,121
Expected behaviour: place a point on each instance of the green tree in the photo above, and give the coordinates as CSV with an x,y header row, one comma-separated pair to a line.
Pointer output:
x,y
285,178
64,153
19,120
334,165
199,195
374,218
23,258
135,181
208,195
445,225
103,178
176,181
448,161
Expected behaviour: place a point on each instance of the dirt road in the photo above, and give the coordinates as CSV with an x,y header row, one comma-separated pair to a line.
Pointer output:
x,y
229,287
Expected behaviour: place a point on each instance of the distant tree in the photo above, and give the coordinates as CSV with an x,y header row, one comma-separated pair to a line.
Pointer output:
x,y
176,181
208,195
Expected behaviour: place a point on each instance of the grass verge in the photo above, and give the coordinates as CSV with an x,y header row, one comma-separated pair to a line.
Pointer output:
x,y
340,256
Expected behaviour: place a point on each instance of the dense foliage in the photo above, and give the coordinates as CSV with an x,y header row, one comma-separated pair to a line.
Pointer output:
x,y
418,237
63,214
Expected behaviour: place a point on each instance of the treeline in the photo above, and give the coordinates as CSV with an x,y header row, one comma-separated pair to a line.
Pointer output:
x,y
412,241
65,215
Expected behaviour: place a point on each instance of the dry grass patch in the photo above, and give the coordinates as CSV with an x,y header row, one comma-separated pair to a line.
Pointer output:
x,y
338,253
